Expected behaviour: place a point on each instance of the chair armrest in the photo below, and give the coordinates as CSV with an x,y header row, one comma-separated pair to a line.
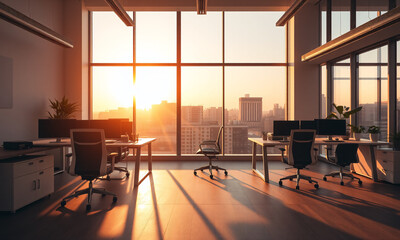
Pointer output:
x,y
113,155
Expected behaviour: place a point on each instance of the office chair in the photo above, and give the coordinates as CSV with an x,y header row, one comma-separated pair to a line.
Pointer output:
x,y
121,155
210,149
300,155
345,154
89,160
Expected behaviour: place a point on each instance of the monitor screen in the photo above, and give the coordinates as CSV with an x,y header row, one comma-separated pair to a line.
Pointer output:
x,y
55,128
331,127
308,124
283,128
112,128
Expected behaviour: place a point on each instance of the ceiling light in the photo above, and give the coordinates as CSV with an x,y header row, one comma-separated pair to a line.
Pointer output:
x,y
121,13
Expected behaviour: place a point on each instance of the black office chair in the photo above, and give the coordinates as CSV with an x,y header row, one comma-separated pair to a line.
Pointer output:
x,y
300,154
210,149
345,154
121,155
89,160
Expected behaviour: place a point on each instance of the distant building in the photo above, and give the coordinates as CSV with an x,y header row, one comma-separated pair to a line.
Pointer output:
x,y
250,110
192,114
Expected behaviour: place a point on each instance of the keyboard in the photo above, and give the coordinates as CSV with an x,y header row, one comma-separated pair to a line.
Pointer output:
x,y
333,140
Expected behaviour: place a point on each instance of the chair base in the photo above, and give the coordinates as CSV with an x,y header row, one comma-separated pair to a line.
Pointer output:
x,y
89,191
342,174
210,167
298,177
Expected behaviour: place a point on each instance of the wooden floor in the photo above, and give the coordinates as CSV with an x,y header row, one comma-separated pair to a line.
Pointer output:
x,y
174,204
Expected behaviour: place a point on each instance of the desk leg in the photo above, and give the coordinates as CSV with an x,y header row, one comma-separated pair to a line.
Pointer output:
x,y
253,158
265,163
150,158
373,163
137,167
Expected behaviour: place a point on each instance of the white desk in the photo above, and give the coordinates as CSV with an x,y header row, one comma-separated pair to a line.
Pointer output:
x,y
318,141
136,146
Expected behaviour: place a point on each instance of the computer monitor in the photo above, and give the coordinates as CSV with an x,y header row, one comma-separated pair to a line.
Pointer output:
x,y
112,128
283,128
331,127
308,124
55,128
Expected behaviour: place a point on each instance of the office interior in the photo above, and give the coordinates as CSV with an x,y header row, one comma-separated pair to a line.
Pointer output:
x,y
301,56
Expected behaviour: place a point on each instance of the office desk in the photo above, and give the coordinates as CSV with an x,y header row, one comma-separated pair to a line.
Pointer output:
x,y
136,146
318,141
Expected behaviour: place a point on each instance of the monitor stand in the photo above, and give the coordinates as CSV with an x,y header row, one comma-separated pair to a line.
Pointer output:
x,y
285,139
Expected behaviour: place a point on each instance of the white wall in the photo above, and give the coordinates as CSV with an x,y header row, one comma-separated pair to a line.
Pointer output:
x,y
37,72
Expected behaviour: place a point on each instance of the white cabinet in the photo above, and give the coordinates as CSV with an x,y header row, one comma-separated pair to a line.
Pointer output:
x,y
388,165
24,180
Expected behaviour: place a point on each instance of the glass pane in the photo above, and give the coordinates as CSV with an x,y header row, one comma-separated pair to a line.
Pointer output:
x,y
341,83
323,92
340,17
201,37
367,10
323,27
112,39
373,91
253,37
155,92
112,92
398,85
156,37
201,106
254,98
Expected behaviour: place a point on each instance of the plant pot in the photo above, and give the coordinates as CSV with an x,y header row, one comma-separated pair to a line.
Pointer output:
x,y
265,137
396,145
374,137
357,136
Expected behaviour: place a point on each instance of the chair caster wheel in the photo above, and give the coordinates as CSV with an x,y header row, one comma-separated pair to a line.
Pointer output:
x,y
310,181
297,187
359,182
103,195
88,207
211,176
115,199
63,203
195,173
108,178
280,183
316,186
290,179
226,173
201,170
342,183
324,178
217,169
127,174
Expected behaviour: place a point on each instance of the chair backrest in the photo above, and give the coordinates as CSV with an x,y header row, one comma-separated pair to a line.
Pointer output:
x,y
346,154
89,158
301,148
218,141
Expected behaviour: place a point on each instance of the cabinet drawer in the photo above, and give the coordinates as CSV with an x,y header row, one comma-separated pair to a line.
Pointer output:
x,y
25,167
45,162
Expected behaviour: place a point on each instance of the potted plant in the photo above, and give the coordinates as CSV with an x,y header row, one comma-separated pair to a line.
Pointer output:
x,y
395,138
343,112
357,131
63,109
374,133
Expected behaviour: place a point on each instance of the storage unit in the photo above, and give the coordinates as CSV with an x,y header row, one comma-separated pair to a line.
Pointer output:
x,y
388,165
24,180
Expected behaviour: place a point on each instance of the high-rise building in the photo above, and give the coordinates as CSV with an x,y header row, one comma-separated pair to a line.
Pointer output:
x,y
192,114
250,110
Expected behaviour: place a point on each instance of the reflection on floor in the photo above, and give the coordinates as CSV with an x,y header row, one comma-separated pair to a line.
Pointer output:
x,y
174,204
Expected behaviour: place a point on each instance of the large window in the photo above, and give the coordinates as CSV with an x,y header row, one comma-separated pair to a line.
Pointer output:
x,y
226,59
373,89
